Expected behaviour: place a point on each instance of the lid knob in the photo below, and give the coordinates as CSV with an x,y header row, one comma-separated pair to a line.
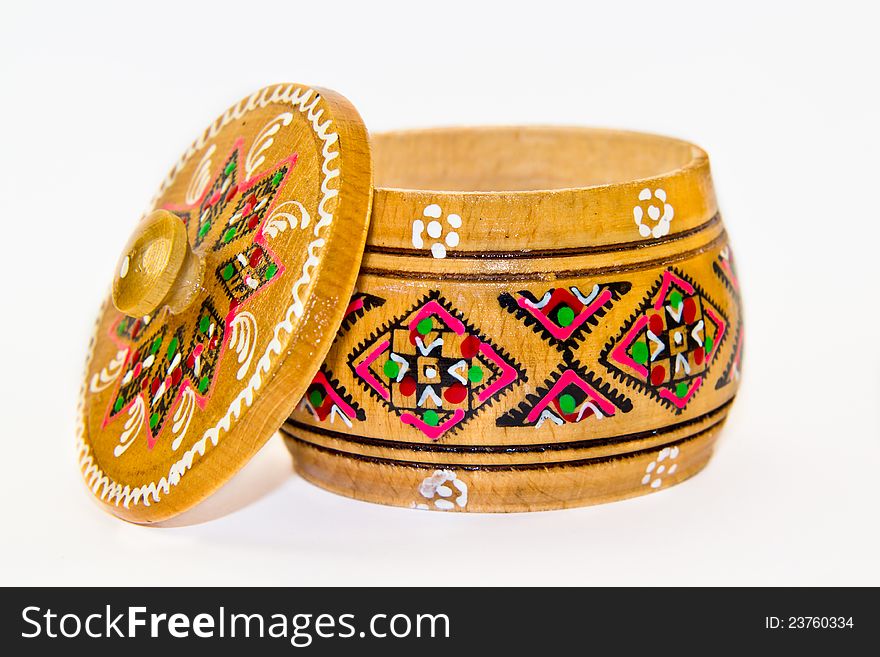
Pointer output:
x,y
157,268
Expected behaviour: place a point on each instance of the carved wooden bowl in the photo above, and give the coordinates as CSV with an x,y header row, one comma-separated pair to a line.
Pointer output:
x,y
544,318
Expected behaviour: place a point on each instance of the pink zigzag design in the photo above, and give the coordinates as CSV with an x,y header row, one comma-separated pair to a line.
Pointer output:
x,y
339,401
620,351
434,308
668,279
681,402
363,370
559,332
508,374
569,377
433,433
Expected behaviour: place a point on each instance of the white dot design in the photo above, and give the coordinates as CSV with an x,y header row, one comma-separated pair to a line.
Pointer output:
x,y
659,213
435,229
439,488
661,466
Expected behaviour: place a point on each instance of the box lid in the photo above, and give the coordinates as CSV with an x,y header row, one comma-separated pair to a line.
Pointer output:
x,y
225,301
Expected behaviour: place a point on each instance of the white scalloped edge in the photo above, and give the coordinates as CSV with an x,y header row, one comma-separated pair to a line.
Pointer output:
x,y
305,100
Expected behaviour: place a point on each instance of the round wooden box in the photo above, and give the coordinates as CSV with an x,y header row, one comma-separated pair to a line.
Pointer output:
x,y
544,318
497,319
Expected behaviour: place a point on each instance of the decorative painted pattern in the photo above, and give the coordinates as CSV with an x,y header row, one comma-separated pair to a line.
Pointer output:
x,y
445,490
571,395
108,374
327,399
309,104
430,224
564,315
359,305
666,347
653,215
172,363
662,466
432,368
725,268
164,361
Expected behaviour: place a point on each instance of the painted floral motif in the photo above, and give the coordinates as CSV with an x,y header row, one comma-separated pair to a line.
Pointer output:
x,y
571,395
432,368
172,360
564,315
667,346
434,230
164,360
662,466
653,215
435,488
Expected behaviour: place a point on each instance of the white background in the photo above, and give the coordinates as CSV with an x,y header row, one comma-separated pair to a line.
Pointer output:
x,y
98,100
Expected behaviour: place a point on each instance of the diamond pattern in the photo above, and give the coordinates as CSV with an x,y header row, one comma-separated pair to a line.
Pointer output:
x,y
668,345
433,369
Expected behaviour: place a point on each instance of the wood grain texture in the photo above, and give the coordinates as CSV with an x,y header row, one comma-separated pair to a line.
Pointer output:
x,y
443,454
589,280
275,199
497,488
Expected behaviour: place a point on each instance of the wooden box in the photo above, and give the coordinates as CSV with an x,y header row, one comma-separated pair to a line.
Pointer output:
x,y
562,328
492,319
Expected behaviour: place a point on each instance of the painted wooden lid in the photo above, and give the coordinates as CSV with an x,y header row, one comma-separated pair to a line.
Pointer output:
x,y
225,300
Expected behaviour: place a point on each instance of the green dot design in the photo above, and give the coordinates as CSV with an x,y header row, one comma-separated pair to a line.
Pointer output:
x,y
566,403
227,272
640,353
156,344
206,227
172,348
277,177
316,398
675,299
391,369
229,234
154,420
681,389
229,168
271,270
424,327
204,324
565,316
203,384
475,374
708,344
118,405
431,418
